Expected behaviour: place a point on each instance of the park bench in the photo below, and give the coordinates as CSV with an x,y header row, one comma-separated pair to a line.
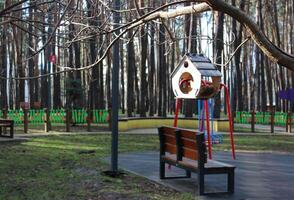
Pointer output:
x,y
6,123
187,150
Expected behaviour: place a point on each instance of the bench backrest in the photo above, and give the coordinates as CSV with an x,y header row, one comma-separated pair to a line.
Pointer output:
x,y
168,142
182,142
8,121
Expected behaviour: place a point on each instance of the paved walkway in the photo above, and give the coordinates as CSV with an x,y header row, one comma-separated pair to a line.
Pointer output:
x,y
258,175
153,131
263,128
20,136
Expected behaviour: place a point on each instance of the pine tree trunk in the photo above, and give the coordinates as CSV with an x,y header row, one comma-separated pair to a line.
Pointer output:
x,y
162,74
219,46
237,58
143,83
3,67
122,79
151,73
44,69
31,63
94,81
130,75
108,81
56,78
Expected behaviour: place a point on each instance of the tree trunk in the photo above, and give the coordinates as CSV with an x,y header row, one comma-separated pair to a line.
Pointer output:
x,y
151,73
143,83
130,75
122,79
108,81
44,70
56,78
3,67
219,46
94,81
237,58
162,73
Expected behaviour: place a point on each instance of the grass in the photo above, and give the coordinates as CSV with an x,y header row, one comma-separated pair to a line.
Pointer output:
x,y
58,127
259,143
69,167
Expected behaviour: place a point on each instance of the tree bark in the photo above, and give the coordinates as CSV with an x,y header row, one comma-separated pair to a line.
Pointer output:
x,y
143,84
56,78
151,72
219,46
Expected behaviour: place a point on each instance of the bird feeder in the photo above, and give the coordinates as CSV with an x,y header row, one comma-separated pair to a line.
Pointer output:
x,y
195,78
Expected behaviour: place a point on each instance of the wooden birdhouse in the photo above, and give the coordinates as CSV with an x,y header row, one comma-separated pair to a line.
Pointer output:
x,y
195,78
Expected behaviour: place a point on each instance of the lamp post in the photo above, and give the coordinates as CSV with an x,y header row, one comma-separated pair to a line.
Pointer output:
x,y
115,95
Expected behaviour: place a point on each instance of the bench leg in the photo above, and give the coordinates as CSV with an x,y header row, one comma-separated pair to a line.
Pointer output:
x,y
201,183
162,170
11,131
188,174
231,181
163,176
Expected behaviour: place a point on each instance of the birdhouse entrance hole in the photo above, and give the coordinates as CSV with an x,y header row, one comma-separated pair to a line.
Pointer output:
x,y
185,82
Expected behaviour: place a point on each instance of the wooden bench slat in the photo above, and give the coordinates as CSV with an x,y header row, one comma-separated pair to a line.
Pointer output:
x,y
187,150
188,134
214,163
170,158
170,148
188,153
189,164
187,143
169,131
170,139
5,125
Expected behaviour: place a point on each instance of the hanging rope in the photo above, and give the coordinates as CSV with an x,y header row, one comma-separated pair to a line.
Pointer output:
x,y
190,32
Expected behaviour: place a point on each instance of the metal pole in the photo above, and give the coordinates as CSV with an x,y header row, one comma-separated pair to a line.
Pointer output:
x,y
49,87
178,105
208,129
67,119
115,94
47,120
289,122
230,119
25,119
253,121
272,120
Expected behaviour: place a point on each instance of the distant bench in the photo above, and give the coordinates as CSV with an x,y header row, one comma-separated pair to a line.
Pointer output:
x,y
186,149
6,123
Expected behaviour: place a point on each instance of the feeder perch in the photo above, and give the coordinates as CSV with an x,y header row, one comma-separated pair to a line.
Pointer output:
x,y
195,78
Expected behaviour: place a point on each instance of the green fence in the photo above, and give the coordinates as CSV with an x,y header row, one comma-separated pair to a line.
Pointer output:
x,y
36,116
16,115
57,116
243,117
100,116
79,116
262,118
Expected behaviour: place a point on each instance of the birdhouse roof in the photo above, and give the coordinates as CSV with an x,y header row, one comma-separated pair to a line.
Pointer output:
x,y
201,63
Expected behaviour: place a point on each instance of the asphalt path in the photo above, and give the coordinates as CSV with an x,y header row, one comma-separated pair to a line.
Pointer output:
x,y
257,175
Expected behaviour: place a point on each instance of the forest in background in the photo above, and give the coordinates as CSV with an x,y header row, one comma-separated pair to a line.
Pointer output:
x,y
41,37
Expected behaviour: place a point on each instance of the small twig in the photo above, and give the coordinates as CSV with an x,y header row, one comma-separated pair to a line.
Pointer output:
x,y
233,54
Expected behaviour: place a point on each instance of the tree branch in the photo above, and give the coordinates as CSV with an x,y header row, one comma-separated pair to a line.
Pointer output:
x,y
273,52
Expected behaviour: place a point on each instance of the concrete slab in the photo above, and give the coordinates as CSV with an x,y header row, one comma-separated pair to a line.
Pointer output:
x,y
258,175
